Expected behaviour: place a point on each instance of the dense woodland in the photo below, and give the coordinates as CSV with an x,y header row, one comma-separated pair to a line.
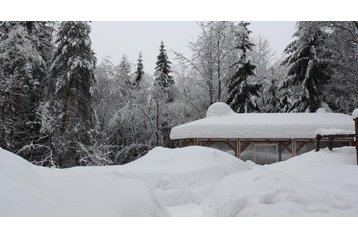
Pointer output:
x,y
59,107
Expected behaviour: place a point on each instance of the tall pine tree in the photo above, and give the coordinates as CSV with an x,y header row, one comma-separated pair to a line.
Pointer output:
x,y
242,94
163,69
23,67
139,73
68,113
308,66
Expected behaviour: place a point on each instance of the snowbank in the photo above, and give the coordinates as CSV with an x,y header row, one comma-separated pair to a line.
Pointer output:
x,y
321,183
221,123
141,188
183,175
27,190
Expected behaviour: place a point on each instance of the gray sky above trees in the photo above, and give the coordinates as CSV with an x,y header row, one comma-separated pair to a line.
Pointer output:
x,y
124,37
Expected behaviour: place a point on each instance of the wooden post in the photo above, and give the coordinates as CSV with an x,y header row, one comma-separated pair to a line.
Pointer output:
x,y
330,142
279,152
293,147
318,140
238,145
356,126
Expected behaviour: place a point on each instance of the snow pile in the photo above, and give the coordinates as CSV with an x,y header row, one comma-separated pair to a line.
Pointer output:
x,y
164,176
355,113
183,175
321,183
321,110
260,125
28,190
219,109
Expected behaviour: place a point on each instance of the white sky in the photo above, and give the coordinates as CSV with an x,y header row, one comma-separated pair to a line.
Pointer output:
x,y
125,37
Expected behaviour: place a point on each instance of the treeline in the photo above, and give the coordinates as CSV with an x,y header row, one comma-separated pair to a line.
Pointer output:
x,y
61,108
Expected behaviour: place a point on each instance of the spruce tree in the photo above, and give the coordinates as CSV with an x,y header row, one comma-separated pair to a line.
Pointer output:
x,y
70,84
139,74
242,94
163,69
22,71
308,67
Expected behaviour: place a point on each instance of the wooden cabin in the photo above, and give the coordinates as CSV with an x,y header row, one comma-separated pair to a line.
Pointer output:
x,y
263,138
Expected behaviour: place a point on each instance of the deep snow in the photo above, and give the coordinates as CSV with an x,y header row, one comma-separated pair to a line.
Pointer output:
x,y
190,181
164,177
323,183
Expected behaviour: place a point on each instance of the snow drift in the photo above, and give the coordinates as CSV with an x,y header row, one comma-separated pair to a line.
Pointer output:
x,y
321,183
28,190
184,175
141,188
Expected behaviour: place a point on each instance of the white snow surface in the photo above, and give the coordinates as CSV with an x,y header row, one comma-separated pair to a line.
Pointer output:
x,y
355,113
219,109
164,177
28,190
190,181
323,183
333,131
262,125
183,175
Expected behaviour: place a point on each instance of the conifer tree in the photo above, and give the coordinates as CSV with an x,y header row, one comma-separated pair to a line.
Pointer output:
x,y
23,68
139,74
242,94
70,83
163,69
308,67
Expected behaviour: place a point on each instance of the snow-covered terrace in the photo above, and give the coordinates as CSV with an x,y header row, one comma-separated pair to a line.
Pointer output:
x,y
222,123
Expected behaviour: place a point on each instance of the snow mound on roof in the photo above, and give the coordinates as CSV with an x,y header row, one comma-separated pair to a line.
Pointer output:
x,y
184,175
28,190
321,110
219,109
355,113
321,183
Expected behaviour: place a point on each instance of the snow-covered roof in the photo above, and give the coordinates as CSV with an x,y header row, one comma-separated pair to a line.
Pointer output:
x,y
355,113
223,124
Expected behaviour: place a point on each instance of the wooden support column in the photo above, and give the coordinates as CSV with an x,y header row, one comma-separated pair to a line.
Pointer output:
x,y
356,127
330,142
318,141
279,151
293,147
238,148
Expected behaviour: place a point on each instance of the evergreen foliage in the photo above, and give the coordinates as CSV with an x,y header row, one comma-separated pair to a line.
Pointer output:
x,y
24,51
308,64
139,73
242,94
163,70
70,86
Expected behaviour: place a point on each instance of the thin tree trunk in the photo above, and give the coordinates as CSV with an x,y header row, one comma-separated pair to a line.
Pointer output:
x,y
65,107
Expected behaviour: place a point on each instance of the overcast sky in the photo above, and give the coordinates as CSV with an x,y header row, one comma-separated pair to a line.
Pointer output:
x,y
123,37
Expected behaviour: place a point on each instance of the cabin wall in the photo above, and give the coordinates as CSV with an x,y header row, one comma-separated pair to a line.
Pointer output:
x,y
262,152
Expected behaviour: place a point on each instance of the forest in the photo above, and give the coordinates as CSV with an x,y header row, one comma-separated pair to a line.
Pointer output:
x,y
60,107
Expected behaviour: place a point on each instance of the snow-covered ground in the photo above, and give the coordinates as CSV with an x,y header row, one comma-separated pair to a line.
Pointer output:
x,y
190,181
321,183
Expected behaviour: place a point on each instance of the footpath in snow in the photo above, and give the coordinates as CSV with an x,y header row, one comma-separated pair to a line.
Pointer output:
x,y
190,181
